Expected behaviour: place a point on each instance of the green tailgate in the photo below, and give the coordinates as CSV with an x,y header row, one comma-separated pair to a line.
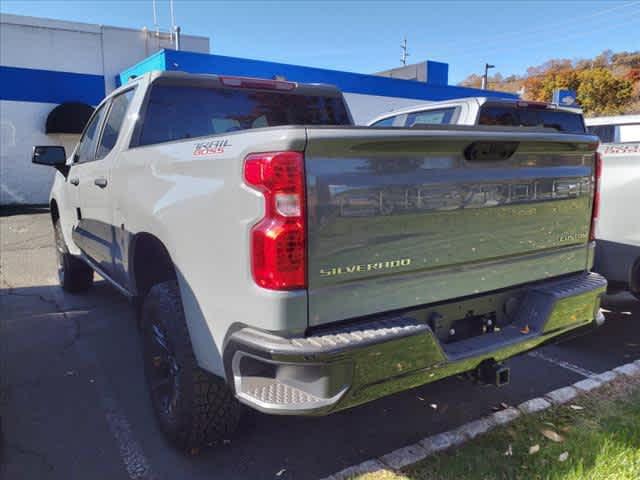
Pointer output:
x,y
399,218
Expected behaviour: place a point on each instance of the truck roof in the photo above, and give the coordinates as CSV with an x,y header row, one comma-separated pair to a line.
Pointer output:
x,y
200,78
613,120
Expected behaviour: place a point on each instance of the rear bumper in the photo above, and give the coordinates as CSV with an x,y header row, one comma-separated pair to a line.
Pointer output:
x,y
362,361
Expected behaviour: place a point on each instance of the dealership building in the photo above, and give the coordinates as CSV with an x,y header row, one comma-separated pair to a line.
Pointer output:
x,y
52,74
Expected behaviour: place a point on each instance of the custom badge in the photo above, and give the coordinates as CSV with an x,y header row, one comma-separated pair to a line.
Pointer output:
x,y
214,147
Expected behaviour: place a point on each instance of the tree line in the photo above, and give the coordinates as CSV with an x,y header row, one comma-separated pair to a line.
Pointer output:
x,y
607,84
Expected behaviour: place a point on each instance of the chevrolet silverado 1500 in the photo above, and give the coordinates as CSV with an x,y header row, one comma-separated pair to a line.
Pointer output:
x,y
284,259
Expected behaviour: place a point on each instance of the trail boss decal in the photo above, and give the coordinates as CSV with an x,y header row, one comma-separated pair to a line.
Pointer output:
x,y
621,149
213,147
365,267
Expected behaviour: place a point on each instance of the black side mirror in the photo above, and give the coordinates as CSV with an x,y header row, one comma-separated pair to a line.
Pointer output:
x,y
52,156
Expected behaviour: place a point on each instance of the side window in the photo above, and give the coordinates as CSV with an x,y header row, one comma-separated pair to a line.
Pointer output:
x,y
87,147
113,124
441,116
385,122
606,133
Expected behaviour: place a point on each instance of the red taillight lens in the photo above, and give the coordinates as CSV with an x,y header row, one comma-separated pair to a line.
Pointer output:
x,y
257,83
278,241
595,212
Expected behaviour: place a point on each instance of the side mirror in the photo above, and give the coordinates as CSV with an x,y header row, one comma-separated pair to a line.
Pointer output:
x,y
52,156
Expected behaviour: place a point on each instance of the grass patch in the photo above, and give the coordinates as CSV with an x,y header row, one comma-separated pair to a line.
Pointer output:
x,y
601,440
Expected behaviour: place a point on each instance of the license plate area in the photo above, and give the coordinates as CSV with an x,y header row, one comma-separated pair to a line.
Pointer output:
x,y
471,325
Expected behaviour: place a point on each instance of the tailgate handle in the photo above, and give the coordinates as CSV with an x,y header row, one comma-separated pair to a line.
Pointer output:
x,y
490,151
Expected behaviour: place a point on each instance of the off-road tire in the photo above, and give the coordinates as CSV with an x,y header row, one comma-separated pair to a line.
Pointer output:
x,y
74,275
193,408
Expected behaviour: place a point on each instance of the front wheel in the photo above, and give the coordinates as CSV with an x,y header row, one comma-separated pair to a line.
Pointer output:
x,y
73,274
193,407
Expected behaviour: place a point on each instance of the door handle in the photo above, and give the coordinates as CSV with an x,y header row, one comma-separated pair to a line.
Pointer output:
x,y
74,181
101,182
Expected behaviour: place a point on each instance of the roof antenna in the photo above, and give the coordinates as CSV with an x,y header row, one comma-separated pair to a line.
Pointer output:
x,y
175,30
155,18
405,52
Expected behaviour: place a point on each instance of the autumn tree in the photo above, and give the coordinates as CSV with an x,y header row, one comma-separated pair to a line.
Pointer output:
x,y
601,93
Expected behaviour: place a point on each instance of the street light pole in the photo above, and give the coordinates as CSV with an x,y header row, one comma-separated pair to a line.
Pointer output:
x,y
485,77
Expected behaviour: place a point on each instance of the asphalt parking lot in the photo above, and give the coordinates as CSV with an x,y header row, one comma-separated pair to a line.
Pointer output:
x,y
74,404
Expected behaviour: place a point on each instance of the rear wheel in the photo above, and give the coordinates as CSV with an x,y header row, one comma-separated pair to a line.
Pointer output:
x,y
193,407
73,274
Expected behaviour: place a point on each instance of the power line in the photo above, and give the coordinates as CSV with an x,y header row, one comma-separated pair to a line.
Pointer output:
x,y
495,39
551,40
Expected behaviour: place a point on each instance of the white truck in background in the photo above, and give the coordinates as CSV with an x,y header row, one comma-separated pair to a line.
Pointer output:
x,y
618,228
485,111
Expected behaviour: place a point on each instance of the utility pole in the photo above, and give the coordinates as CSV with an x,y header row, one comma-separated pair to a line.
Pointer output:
x,y
485,77
405,52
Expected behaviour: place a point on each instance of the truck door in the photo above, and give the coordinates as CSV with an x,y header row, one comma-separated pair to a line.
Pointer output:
x,y
96,235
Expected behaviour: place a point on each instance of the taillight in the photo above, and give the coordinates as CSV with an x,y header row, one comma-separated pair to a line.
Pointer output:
x,y
257,83
278,241
595,211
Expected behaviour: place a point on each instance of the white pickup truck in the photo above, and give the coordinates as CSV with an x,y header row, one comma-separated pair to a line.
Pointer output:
x,y
284,259
485,111
618,229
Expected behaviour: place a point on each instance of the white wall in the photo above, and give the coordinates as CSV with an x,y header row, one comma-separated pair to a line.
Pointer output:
x,y
21,127
44,44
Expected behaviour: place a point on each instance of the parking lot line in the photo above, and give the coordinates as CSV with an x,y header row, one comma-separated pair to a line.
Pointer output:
x,y
562,364
133,458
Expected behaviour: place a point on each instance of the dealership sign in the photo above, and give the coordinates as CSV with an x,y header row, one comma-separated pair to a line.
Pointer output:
x,y
566,98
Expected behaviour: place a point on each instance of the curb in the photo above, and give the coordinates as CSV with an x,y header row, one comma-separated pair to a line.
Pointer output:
x,y
411,454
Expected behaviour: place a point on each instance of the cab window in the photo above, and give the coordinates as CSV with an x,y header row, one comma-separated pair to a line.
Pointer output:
x,y
606,133
87,146
385,122
441,116
113,124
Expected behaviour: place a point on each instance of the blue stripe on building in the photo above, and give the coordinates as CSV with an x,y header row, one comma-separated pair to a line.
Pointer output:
x,y
47,86
348,82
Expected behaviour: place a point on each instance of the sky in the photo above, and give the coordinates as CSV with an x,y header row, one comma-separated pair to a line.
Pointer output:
x,y
365,36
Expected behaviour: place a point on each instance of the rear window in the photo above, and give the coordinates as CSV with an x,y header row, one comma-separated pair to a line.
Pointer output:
x,y
179,112
606,133
512,116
